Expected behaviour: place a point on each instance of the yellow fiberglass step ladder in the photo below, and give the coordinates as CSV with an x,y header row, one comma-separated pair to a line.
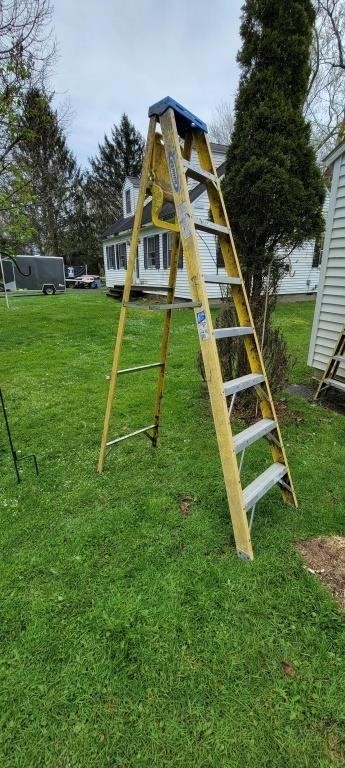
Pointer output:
x,y
329,377
173,133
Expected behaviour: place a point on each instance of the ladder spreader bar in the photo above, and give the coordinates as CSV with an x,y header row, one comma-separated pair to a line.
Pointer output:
x,y
199,174
222,279
177,305
131,434
160,307
140,368
209,226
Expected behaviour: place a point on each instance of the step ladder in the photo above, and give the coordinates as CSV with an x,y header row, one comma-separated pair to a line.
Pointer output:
x,y
329,377
173,133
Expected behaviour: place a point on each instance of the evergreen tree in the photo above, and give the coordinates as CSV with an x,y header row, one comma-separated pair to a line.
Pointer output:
x,y
273,187
119,156
52,173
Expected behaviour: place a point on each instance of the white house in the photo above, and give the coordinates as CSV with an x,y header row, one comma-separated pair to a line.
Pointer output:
x,y
329,317
152,265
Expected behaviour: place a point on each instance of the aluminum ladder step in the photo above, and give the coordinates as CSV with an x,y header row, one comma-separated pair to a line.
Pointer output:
x,y
209,226
339,358
259,487
238,330
336,384
222,279
199,174
253,433
243,382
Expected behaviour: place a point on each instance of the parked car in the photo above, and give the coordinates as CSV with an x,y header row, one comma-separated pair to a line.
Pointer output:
x,y
87,281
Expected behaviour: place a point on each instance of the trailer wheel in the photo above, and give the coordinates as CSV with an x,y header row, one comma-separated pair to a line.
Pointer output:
x,y
49,290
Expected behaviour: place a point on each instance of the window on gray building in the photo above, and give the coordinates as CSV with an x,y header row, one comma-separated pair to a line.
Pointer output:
x,y
110,254
151,252
121,255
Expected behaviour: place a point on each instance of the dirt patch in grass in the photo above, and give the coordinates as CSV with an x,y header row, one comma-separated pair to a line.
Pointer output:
x,y
325,556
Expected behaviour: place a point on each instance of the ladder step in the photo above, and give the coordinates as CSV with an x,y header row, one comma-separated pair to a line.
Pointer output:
x,y
243,382
130,434
238,330
199,174
222,280
253,433
255,490
209,226
339,358
336,384
152,307
140,368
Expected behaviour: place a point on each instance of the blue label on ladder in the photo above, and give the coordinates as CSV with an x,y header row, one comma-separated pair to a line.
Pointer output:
x,y
202,325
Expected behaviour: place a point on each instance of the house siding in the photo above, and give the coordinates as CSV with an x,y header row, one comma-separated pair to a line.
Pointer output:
x,y
302,277
329,317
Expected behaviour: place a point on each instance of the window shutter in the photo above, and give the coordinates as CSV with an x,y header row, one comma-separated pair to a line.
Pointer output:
x,y
125,256
117,258
145,252
165,250
180,259
107,253
157,259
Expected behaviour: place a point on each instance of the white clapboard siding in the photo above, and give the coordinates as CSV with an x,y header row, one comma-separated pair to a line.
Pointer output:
x,y
329,317
302,277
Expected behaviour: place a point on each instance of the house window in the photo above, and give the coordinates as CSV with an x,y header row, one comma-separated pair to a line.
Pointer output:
x,y
167,239
317,255
121,255
151,252
167,246
128,201
110,254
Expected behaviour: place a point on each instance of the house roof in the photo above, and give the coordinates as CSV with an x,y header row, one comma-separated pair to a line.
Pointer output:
x,y
167,212
334,154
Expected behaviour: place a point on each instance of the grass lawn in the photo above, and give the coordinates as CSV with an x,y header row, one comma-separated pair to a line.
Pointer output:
x,y
131,634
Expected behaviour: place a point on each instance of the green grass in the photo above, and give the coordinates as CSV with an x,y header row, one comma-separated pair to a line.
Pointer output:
x,y
131,635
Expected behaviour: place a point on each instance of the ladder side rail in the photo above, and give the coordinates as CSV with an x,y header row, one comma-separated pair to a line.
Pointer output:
x,y
127,287
339,349
241,302
175,252
207,341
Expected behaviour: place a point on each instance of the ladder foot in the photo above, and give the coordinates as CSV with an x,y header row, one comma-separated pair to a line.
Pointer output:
x,y
244,555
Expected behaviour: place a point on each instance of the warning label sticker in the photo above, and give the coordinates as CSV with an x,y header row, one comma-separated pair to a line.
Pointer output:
x,y
202,325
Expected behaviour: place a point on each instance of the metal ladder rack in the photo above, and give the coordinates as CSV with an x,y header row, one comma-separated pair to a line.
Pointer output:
x,y
173,132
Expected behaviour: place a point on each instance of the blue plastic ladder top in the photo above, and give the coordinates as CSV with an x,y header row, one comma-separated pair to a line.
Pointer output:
x,y
185,120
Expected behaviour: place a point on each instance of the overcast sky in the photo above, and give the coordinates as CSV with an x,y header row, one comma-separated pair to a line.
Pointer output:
x,y
120,56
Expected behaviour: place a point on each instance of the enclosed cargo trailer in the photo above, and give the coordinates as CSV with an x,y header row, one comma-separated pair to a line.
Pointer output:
x,y
36,273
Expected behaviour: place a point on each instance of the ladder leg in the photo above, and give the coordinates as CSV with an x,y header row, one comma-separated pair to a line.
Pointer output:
x,y
127,288
166,332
